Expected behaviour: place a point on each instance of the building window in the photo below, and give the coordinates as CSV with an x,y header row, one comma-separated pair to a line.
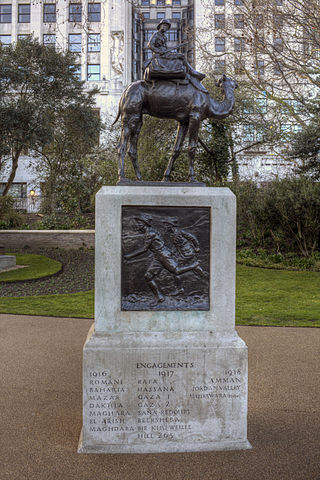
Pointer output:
x,y
219,20
148,34
160,3
278,44
147,54
248,133
259,68
219,44
261,105
49,39
17,190
5,13
258,21
75,11
5,39
219,66
94,42
146,15
285,128
172,35
74,42
278,21
278,68
94,12
219,3
176,15
238,2
296,128
24,13
176,2
161,15
77,71
49,13
239,44
259,134
239,20
145,3
297,106
23,36
93,73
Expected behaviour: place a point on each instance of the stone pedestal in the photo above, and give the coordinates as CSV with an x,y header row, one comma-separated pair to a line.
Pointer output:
x,y
7,261
163,367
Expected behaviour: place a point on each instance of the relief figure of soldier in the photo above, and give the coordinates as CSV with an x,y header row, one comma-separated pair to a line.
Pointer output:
x,y
166,252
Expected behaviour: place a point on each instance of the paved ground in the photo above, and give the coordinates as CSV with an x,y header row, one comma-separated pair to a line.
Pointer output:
x,y
40,410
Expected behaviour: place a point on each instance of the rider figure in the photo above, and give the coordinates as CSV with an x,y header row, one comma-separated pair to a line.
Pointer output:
x,y
158,45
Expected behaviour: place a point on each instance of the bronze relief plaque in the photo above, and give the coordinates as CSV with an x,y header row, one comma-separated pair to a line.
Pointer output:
x,y
165,258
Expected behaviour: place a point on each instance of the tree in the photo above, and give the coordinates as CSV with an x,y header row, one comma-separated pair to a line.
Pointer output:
x,y
306,148
273,48
41,102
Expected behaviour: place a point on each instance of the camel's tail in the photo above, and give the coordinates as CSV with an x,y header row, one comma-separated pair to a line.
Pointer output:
x,y
117,118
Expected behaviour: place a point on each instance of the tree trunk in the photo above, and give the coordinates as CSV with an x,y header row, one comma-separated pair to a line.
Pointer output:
x,y
15,160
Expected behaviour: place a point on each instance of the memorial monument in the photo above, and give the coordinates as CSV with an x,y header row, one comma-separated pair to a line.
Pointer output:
x,y
163,367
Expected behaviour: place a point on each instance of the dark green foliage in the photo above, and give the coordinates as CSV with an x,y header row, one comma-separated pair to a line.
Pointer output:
x,y
155,147
280,261
306,148
283,215
213,158
57,221
41,101
9,218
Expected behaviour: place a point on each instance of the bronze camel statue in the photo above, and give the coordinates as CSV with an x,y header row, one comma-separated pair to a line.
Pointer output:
x,y
165,99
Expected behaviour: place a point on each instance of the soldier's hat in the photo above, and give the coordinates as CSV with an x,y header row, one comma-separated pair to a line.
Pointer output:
x,y
171,221
164,21
146,219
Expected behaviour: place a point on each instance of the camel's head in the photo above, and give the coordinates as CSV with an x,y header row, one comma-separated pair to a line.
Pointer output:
x,y
226,83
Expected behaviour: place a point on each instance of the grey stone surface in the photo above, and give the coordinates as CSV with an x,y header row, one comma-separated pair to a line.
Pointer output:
x,y
164,381
34,239
7,261
108,315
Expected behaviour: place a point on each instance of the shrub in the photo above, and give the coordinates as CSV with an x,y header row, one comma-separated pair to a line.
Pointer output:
x,y
64,222
282,215
9,218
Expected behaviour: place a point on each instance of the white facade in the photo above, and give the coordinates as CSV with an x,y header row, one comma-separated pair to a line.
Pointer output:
x,y
111,39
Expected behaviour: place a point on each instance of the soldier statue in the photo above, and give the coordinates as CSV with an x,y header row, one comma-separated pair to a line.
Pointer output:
x,y
158,45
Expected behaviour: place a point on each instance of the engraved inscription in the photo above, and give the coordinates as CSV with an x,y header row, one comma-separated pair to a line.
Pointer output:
x,y
156,403
165,258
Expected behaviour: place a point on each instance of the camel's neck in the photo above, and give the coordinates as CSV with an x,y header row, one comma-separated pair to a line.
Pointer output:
x,y
221,109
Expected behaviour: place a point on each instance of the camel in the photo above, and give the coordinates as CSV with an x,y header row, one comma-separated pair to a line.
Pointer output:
x,y
167,99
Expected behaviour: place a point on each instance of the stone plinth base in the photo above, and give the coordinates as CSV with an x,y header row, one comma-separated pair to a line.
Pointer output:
x,y
164,392
7,261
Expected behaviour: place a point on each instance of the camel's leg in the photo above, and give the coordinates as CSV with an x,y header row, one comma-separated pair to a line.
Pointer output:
x,y
181,135
194,125
122,149
135,127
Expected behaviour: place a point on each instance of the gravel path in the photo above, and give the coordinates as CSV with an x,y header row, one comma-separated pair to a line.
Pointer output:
x,y
77,275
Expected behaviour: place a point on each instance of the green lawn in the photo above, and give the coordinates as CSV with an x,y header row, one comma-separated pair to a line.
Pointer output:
x,y
37,266
264,297
78,305
277,297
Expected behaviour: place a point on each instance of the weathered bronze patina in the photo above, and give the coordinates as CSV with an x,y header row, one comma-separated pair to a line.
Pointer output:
x,y
171,89
165,258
